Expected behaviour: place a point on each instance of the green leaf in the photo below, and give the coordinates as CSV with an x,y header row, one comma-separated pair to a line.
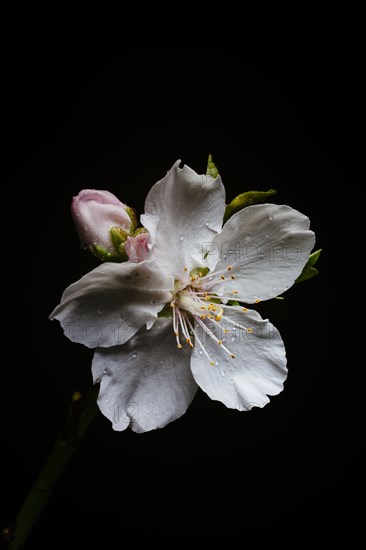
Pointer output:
x,y
211,169
233,303
309,270
246,199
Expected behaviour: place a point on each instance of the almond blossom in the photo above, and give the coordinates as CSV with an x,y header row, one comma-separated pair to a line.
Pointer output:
x,y
176,317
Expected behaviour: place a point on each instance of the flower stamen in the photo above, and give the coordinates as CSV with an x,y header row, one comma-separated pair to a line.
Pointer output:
x,y
196,338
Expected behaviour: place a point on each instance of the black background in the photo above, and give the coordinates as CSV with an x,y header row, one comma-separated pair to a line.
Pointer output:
x,y
118,120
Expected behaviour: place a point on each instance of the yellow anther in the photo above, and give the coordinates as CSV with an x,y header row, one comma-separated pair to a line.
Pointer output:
x,y
188,340
219,342
249,330
205,293
232,356
186,269
203,316
226,331
229,267
257,301
233,276
222,277
200,274
176,333
190,343
179,346
218,317
245,309
203,307
193,278
235,292
212,363
207,297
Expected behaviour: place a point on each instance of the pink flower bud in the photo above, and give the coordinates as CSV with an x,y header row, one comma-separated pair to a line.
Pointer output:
x,y
137,248
95,213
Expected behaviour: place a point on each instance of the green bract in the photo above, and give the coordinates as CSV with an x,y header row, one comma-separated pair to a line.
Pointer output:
x,y
309,270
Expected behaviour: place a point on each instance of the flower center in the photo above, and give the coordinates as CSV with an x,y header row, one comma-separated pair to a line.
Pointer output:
x,y
199,306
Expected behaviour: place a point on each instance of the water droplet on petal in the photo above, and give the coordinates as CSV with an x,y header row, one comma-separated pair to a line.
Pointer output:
x,y
231,381
201,352
274,288
233,338
134,356
223,373
181,237
271,218
217,362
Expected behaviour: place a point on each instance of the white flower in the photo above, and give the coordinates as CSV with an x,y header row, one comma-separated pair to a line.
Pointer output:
x,y
150,367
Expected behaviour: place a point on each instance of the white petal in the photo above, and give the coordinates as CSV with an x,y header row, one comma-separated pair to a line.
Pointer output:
x,y
145,383
259,366
268,245
183,212
109,305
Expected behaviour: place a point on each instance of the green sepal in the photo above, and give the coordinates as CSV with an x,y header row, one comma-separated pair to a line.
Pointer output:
x,y
309,270
233,303
102,254
133,217
118,237
247,199
122,254
139,231
211,169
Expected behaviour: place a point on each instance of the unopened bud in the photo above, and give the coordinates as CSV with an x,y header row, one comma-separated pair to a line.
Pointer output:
x,y
103,223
